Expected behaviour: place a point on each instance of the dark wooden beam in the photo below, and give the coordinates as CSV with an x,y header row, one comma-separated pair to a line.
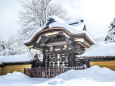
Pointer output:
x,y
56,43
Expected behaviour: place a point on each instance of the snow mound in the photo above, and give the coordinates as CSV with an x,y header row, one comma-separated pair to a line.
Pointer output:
x,y
15,76
94,73
16,79
72,29
57,19
76,28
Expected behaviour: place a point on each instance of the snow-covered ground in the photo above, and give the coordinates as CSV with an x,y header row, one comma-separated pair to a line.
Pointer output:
x,y
94,76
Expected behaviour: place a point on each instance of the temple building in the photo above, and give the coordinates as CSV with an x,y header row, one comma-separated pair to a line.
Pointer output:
x,y
60,42
64,45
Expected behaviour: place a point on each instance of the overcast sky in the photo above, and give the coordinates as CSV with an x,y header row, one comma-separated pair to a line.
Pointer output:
x,y
8,18
96,13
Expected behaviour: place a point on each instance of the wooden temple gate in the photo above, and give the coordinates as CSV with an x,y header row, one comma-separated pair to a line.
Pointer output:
x,y
59,47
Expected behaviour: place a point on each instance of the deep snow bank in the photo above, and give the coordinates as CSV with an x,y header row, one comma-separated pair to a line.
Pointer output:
x,y
95,75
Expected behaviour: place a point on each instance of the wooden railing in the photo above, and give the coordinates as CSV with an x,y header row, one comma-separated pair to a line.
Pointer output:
x,y
48,72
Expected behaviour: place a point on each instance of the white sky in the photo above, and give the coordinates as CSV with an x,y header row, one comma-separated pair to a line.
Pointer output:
x,y
8,18
96,13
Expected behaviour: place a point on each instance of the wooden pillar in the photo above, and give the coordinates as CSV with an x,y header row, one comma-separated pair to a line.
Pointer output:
x,y
74,62
70,60
44,57
47,58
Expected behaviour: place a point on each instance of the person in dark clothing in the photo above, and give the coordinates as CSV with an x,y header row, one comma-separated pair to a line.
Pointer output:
x,y
36,62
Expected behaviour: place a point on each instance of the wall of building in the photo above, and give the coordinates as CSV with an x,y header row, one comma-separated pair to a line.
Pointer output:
x,y
0,70
11,68
108,64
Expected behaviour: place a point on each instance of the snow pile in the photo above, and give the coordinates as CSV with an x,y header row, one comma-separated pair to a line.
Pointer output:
x,y
18,79
15,79
57,19
16,58
94,75
14,76
100,49
76,28
79,23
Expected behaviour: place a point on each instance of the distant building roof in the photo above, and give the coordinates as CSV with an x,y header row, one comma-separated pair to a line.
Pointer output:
x,y
16,58
100,49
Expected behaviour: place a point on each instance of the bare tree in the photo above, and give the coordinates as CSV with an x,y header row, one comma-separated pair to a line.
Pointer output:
x,y
11,47
36,13
2,44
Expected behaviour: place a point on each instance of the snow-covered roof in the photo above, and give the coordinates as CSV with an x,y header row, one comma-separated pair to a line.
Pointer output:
x,y
16,58
100,49
75,29
72,29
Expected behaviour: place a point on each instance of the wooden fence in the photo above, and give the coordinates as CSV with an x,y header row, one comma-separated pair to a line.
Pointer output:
x,y
48,72
98,58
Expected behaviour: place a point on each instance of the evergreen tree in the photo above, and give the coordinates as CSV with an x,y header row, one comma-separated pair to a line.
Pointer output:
x,y
111,33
